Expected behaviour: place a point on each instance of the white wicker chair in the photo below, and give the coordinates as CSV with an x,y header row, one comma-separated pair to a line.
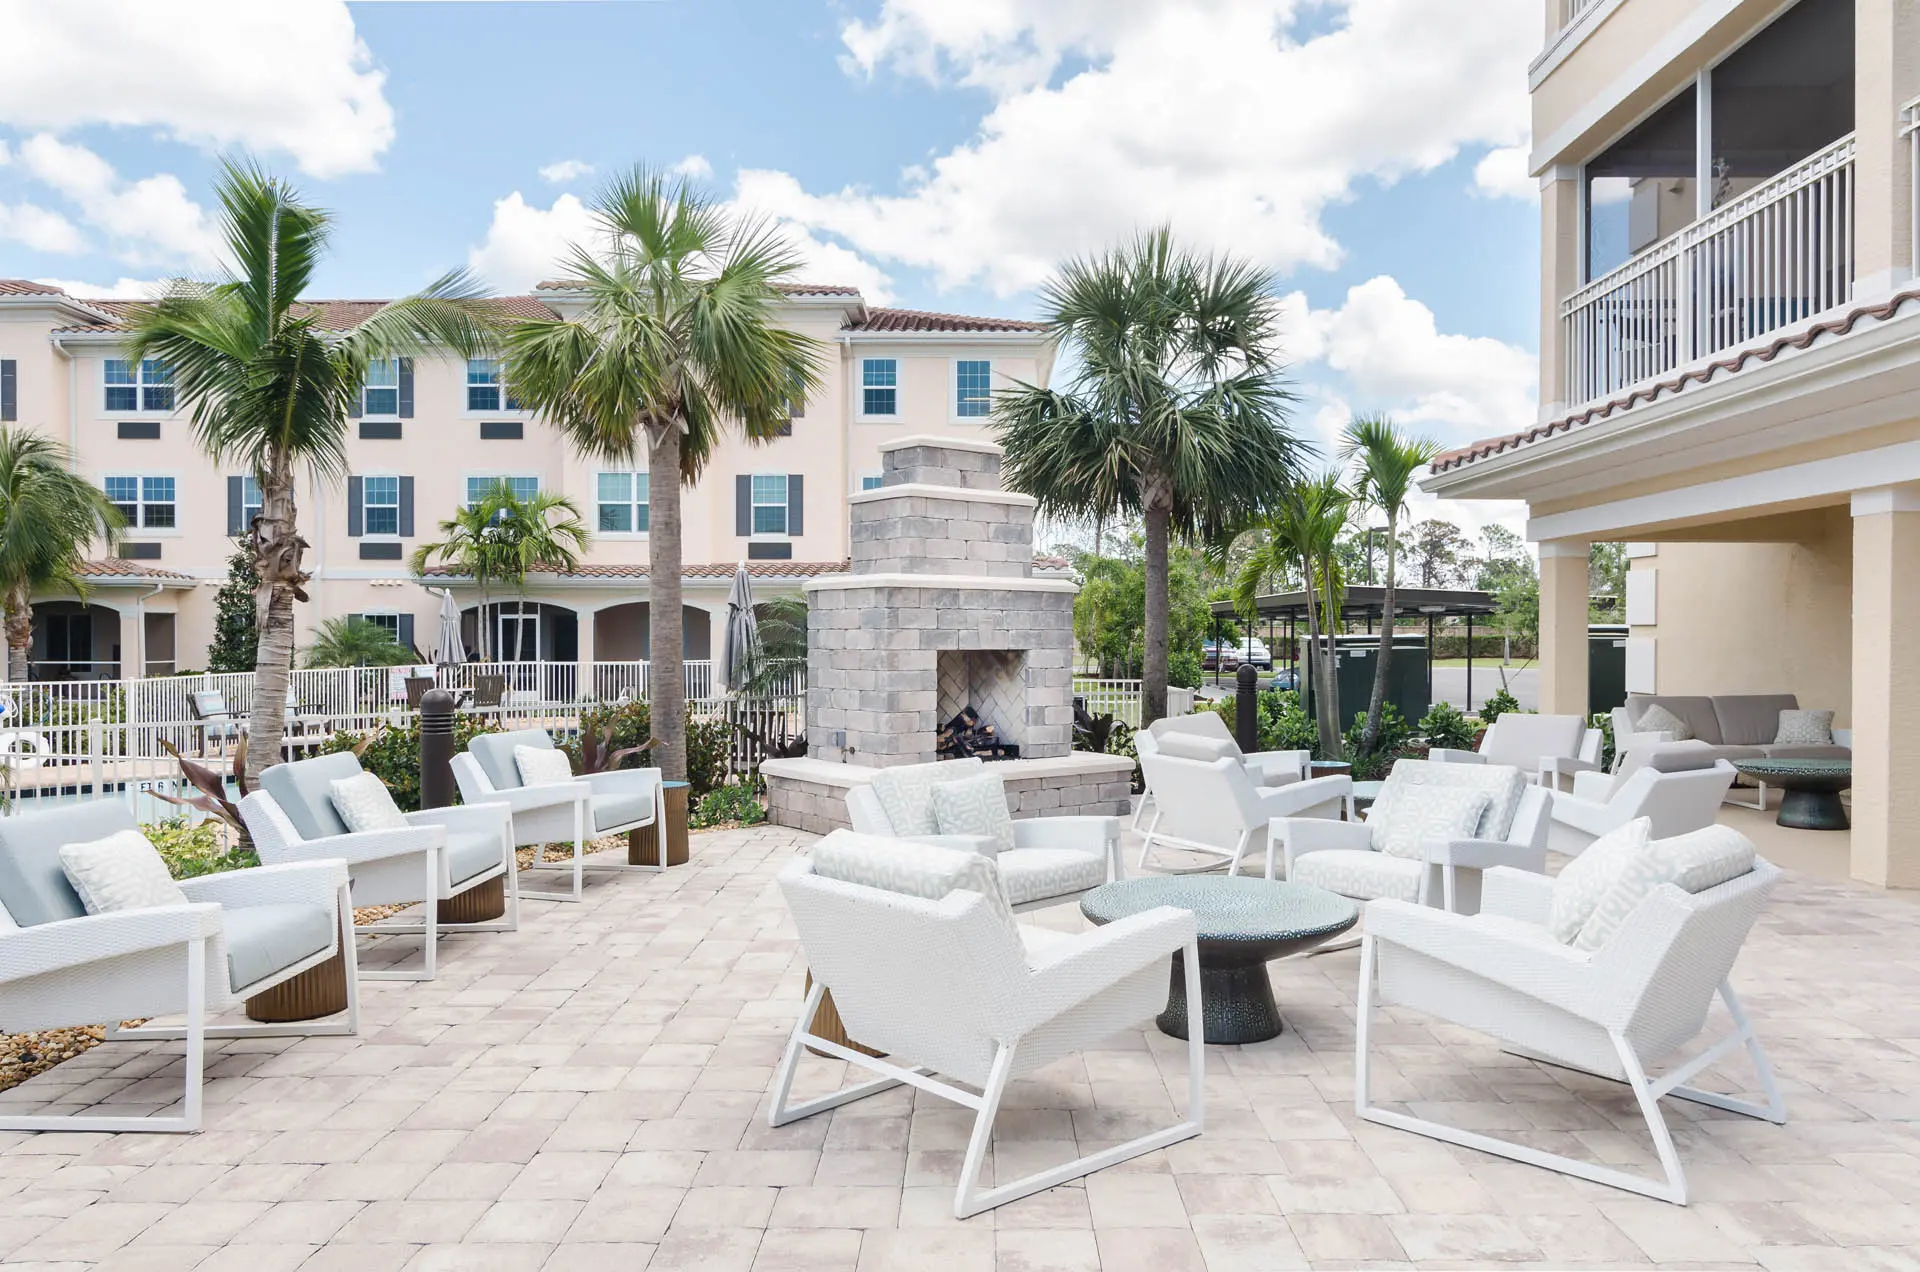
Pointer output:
x,y
1615,1011
242,933
1541,746
586,808
441,853
1215,807
1651,784
1027,996
1267,768
1339,855
1053,859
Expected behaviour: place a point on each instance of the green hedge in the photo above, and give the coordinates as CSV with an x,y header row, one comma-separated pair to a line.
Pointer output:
x,y
1490,647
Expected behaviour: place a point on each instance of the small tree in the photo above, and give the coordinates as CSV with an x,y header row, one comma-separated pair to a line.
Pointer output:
x,y
236,615
501,537
355,642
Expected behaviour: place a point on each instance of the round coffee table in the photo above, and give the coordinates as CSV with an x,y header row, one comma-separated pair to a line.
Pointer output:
x,y
1243,923
1810,798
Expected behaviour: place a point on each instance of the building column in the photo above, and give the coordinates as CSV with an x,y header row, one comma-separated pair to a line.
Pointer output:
x,y
584,616
1886,686
1886,77
1563,626
1560,275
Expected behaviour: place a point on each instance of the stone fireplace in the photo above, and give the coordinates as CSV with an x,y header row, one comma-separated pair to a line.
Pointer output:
x,y
940,610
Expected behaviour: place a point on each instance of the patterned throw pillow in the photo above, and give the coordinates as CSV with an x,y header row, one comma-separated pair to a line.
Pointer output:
x,y
1805,728
916,870
1657,719
364,803
1421,814
974,806
1577,890
1692,862
906,793
1504,785
542,765
121,872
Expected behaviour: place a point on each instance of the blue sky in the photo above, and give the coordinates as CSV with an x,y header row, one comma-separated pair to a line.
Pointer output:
x,y
940,155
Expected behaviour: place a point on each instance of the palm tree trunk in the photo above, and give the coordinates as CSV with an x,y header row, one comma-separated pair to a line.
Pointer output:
x,y
666,672
1376,704
1325,709
278,553
1157,494
19,634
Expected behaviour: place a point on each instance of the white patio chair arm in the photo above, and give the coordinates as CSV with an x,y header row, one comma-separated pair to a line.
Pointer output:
x,y
1542,969
1272,762
1089,834
1516,894
1068,975
623,781
529,799
64,943
293,882
489,817
1593,786
1484,854
985,845
1297,797
1302,835
362,845
1454,755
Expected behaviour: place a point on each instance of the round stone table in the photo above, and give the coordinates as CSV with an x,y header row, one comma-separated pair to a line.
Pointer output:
x,y
1810,798
1243,923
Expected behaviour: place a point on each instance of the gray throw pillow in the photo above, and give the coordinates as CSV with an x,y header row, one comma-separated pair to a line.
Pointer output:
x,y
1657,719
1805,728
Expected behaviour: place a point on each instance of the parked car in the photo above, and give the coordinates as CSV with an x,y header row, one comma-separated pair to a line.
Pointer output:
x,y
1285,678
1217,656
1254,650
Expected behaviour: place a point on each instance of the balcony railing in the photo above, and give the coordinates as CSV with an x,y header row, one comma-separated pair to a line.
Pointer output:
x,y
1775,256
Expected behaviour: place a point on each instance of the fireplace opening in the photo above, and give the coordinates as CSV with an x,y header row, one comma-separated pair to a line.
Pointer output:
x,y
982,704
968,736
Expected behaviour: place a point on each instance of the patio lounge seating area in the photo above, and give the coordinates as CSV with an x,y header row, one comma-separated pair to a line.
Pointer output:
x,y
591,1090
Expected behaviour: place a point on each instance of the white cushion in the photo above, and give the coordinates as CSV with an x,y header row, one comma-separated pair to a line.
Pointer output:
x,y
906,793
541,765
1805,728
1193,746
1692,862
121,872
1421,814
1360,874
1577,890
364,803
1657,719
1504,784
916,870
1037,874
974,806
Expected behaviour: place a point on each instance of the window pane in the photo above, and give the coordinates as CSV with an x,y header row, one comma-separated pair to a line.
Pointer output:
x,y
157,489
477,488
870,482
383,373
123,489
770,488
877,401
156,399
389,623
383,520
640,518
123,399
482,371
154,371
157,516
383,402
616,517
513,403
119,371
878,373
616,487
769,518
482,398
974,382
524,487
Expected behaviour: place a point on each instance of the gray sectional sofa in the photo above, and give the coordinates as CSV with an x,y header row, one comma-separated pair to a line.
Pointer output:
x,y
1737,726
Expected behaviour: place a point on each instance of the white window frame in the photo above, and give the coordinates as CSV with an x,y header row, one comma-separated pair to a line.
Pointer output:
x,y
466,486
641,497
864,476
137,524
861,388
784,533
141,384
250,509
503,411
382,618
953,396
367,387
367,505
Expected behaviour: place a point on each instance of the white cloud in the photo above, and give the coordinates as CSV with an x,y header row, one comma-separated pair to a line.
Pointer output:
x,y
294,78
40,229
119,289
566,170
1212,115
147,220
6,156
1502,173
694,166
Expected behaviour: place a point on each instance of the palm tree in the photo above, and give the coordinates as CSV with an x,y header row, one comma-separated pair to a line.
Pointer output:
x,y
1301,533
503,537
1386,461
673,343
1175,411
355,642
48,516
270,387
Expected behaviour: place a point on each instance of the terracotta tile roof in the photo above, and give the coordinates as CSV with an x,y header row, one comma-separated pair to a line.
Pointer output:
x,y
788,289
334,315
702,570
121,568
26,287
882,319
1730,363
1051,563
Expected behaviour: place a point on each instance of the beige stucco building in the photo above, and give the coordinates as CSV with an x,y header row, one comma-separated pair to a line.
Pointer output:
x,y
430,433
1730,365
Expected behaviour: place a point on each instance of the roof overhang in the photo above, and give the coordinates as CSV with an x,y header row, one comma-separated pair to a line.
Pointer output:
x,y
1362,599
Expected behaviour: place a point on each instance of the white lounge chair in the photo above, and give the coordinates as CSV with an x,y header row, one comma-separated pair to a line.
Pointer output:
x,y
242,933
1616,1011
586,808
1676,785
1027,996
1214,807
1268,768
442,852
1345,856
1541,746
1053,859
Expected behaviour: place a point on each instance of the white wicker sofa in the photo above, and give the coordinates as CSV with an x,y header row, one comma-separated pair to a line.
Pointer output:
x,y
1053,859
241,933
1026,998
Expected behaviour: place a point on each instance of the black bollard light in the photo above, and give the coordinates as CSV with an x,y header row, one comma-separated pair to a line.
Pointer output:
x,y
436,749
1246,712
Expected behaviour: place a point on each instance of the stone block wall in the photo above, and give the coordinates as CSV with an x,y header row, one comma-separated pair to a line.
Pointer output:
x,y
940,466
820,807
932,534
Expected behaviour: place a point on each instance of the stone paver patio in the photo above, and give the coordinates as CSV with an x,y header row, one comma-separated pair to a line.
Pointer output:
x,y
589,1092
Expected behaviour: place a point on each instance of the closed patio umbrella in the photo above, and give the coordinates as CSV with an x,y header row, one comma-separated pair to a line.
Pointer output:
x,y
449,650
737,648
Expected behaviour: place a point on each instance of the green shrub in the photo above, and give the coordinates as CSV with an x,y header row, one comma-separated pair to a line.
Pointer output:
x,y
394,753
1395,733
1284,726
1498,705
1603,721
708,742
1184,669
734,802
1446,725
192,849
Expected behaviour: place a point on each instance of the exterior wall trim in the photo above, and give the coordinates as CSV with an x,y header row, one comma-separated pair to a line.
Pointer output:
x,y
1566,40
1886,499
939,582
929,490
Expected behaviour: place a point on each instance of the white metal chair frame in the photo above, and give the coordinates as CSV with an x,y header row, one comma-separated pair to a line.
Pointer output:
x,y
1587,1013
556,812
1264,766
1224,784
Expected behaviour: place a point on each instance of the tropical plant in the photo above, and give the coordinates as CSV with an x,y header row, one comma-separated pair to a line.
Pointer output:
x,y
670,342
1373,763
236,617
1110,612
352,641
1446,725
502,537
1299,535
48,516
270,386
210,789
1498,705
1175,408
1385,463
782,626
392,753
191,849
736,803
